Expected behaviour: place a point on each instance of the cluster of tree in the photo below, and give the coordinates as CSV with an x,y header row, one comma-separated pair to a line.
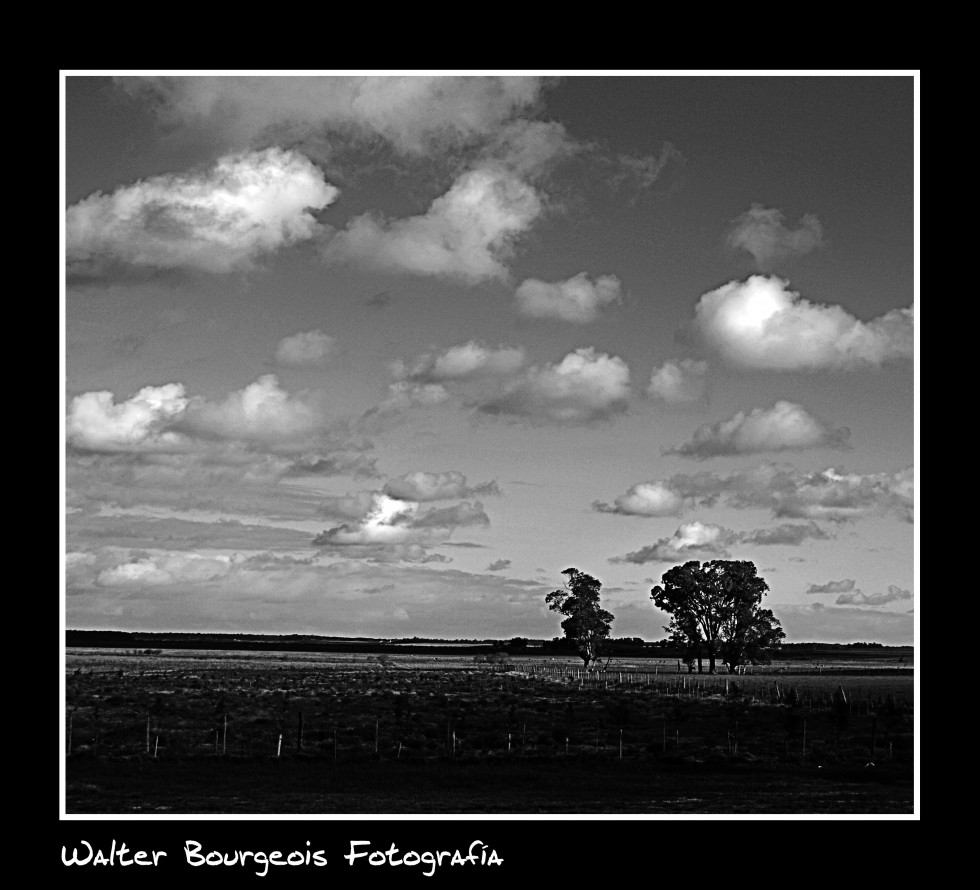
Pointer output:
x,y
716,611
715,608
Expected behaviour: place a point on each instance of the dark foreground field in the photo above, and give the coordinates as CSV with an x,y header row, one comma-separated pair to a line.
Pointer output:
x,y
170,733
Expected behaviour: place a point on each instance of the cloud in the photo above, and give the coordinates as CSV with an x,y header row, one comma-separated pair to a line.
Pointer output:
x,y
789,534
679,382
844,586
466,234
305,349
498,565
141,423
857,598
351,597
783,427
692,540
793,494
377,519
220,220
585,386
421,486
829,624
168,569
262,412
645,499
415,114
577,300
403,395
465,361
760,323
356,464
763,233
697,540
782,489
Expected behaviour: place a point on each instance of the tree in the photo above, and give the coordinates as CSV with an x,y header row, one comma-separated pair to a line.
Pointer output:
x,y
717,604
586,625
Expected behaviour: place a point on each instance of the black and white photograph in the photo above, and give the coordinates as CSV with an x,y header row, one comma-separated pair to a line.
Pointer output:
x,y
500,445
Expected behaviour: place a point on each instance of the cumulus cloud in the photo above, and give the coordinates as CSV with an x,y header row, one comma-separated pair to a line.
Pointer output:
x,y
762,231
787,533
219,220
171,568
760,323
374,518
857,598
783,427
465,361
782,489
415,114
466,234
645,499
679,382
261,412
585,386
422,486
305,349
697,540
141,423
692,540
793,494
498,565
844,586
577,300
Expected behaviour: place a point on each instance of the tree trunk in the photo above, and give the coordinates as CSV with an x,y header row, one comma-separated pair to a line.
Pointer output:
x,y
711,659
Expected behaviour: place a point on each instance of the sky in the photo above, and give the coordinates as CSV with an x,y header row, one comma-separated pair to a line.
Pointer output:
x,y
379,354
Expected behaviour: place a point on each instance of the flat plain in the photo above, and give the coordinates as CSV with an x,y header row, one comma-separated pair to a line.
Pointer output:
x,y
179,731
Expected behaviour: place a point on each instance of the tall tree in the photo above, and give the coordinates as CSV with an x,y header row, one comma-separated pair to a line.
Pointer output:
x,y
586,624
720,600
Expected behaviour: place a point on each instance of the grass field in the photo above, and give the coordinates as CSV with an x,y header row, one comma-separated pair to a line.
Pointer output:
x,y
182,731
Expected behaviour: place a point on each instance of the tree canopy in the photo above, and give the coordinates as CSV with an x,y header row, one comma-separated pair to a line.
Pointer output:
x,y
716,606
586,624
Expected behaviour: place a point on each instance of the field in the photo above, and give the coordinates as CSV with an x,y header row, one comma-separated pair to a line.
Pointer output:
x,y
195,731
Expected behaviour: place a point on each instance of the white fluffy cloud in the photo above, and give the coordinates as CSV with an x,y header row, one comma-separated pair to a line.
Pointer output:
x,y
762,231
585,386
760,323
219,220
498,565
422,486
692,540
305,349
679,382
783,427
576,300
857,598
466,234
413,113
698,540
462,362
262,412
96,423
645,499
385,521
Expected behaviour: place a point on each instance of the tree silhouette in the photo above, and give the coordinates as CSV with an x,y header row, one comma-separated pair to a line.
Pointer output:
x,y
717,604
586,624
